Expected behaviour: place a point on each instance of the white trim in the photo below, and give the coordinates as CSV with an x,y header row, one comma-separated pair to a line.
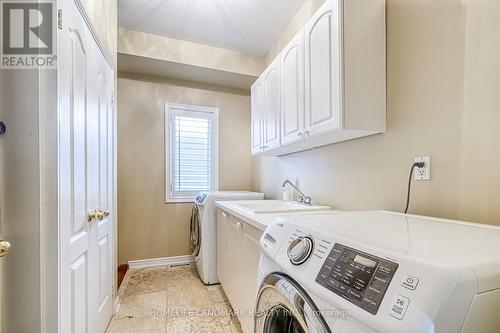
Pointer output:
x,y
155,262
168,148
117,304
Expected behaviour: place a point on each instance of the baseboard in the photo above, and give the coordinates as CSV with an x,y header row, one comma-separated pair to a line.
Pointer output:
x,y
179,260
117,304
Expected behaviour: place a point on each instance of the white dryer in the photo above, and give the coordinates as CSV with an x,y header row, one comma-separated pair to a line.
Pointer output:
x,y
378,272
203,230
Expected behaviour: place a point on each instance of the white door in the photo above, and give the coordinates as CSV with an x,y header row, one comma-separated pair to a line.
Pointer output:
x,y
323,70
101,196
271,105
84,89
74,228
256,114
292,90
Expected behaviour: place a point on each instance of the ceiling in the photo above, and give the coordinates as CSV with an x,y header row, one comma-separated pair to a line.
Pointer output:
x,y
248,26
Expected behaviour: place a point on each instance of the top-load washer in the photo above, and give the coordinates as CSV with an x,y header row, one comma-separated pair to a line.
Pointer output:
x,y
203,229
378,272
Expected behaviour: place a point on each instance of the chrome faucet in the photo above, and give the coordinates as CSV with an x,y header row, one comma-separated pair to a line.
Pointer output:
x,y
304,199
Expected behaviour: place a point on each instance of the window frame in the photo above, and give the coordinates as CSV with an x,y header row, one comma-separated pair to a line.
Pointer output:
x,y
170,108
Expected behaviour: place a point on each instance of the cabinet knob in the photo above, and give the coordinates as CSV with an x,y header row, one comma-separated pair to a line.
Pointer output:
x,y
300,134
306,133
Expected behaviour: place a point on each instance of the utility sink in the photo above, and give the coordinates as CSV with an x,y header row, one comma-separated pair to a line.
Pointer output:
x,y
276,206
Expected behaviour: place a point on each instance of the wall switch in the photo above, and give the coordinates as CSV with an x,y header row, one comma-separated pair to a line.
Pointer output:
x,y
423,173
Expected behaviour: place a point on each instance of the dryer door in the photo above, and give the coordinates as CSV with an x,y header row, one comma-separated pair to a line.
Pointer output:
x,y
195,231
283,306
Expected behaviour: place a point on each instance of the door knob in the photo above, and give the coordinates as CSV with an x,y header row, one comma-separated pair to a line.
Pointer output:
x,y
99,215
4,248
105,212
93,215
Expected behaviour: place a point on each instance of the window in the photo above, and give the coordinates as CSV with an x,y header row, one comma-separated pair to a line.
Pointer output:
x,y
191,143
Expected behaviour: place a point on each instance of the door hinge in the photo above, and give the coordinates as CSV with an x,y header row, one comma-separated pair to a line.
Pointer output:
x,y
112,97
59,19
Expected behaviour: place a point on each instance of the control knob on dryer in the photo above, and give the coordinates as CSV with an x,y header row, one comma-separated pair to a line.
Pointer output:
x,y
300,250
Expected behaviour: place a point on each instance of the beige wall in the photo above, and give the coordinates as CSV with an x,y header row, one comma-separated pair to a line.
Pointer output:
x,y
443,100
189,53
148,227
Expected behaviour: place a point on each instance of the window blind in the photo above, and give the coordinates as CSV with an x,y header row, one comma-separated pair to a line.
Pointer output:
x,y
192,160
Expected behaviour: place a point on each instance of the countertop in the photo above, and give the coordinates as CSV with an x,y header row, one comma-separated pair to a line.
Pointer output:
x,y
259,221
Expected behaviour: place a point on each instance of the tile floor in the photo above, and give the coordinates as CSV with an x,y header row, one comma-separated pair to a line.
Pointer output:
x,y
171,300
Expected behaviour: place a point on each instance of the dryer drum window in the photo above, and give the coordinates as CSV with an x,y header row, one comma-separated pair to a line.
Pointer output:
x,y
284,307
281,319
194,231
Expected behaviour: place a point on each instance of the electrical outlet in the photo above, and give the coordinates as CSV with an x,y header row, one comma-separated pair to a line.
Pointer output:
x,y
423,173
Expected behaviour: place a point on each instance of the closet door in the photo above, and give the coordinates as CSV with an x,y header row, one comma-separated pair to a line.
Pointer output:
x,y
271,105
323,70
85,85
292,90
100,165
74,104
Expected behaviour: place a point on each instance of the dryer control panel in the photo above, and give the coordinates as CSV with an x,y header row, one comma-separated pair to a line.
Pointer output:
x,y
359,277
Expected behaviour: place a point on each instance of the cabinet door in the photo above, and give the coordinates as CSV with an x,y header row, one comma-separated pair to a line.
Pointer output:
x,y
257,133
250,256
271,106
292,90
323,70
235,263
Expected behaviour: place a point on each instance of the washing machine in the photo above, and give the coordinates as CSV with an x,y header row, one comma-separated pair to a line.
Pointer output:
x,y
203,229
378,272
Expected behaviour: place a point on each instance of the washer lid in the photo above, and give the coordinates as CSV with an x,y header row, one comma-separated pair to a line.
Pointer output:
x,y
439,242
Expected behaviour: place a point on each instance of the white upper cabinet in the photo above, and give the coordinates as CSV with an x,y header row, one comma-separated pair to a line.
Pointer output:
x,y
271,106
322,71
328,84
292,90
257,133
